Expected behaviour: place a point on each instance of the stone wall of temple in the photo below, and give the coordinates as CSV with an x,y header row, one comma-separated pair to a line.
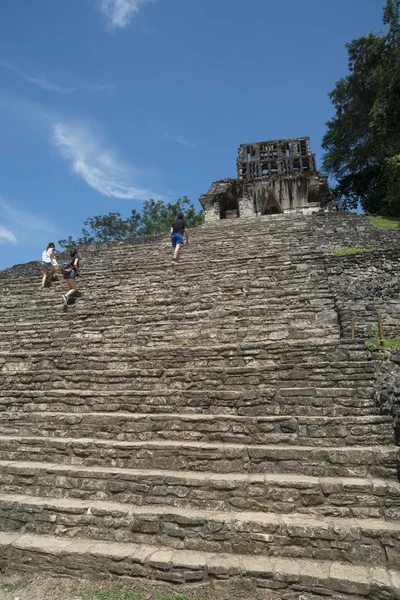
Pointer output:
x,y
260,160
272,177
285,193
231,198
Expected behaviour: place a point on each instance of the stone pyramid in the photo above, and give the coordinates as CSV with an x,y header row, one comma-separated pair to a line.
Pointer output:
x,y
211,422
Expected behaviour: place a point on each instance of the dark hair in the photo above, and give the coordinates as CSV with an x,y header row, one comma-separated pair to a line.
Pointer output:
x,y
73,252
50,245
180,215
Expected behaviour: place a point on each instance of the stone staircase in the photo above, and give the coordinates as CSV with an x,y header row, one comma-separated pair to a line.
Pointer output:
x,y
203,423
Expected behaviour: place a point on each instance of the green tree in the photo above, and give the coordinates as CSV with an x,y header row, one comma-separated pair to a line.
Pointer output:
x,y
393,184
364,134
156,217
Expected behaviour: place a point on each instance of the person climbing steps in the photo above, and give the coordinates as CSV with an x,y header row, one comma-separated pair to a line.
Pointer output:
x,y
70,272
178,229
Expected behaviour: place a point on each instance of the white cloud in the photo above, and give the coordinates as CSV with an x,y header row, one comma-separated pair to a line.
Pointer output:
x,y
44,84
120,12
96,165
23,217
7,236
180,139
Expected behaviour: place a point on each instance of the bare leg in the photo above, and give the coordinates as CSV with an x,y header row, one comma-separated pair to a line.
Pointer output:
x,y
44,271
71,283
177,251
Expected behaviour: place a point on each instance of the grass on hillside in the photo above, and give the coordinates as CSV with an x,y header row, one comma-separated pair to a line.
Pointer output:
x,y
385,222
42,588
97,594
342,251
388,343
14,586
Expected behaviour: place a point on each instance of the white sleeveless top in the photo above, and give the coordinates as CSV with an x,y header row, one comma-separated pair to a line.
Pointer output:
x,y
46,257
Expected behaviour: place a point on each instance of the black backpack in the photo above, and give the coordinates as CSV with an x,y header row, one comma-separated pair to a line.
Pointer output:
x,y
68,265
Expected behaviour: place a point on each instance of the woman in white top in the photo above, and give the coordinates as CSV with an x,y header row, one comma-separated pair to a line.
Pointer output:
x,y
47,264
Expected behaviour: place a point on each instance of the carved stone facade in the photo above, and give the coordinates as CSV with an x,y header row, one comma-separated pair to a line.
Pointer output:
x,y
272,177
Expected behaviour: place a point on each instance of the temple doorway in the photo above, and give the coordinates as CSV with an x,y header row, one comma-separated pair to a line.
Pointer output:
x,y
229,208
272,206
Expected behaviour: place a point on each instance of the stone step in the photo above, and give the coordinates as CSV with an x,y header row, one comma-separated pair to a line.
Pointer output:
x,y
357,370
230,238
250,286
266,288
111,560
254,274
268,253
79,319
162,342
165,303
104,316
292,270
287,320
172,307
240,251
277,353
264,237
311,431
357,541
248,378
239,244
308,235
213,252
228,252
301,401
219,303
230,242
253,277
123,337
352,498
330,461
170,331
266,354
211,268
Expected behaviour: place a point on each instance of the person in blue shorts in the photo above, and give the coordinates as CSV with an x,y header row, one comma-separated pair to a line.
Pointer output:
x,y
179,230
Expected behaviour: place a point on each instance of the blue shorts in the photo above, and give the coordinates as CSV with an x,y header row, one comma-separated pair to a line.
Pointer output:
x,y
70,275
45,265
177,238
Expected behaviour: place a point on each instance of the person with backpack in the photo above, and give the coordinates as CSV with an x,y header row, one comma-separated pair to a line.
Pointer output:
x,y
47,263
178,229
70,272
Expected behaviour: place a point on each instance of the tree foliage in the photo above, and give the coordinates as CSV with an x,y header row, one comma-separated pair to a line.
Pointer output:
x,y
393,184
364,135
156,217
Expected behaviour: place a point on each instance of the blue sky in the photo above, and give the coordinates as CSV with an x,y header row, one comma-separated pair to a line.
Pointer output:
x,y
105,103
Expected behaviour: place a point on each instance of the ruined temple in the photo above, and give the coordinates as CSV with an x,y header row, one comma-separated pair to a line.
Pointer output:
x,y
275,176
